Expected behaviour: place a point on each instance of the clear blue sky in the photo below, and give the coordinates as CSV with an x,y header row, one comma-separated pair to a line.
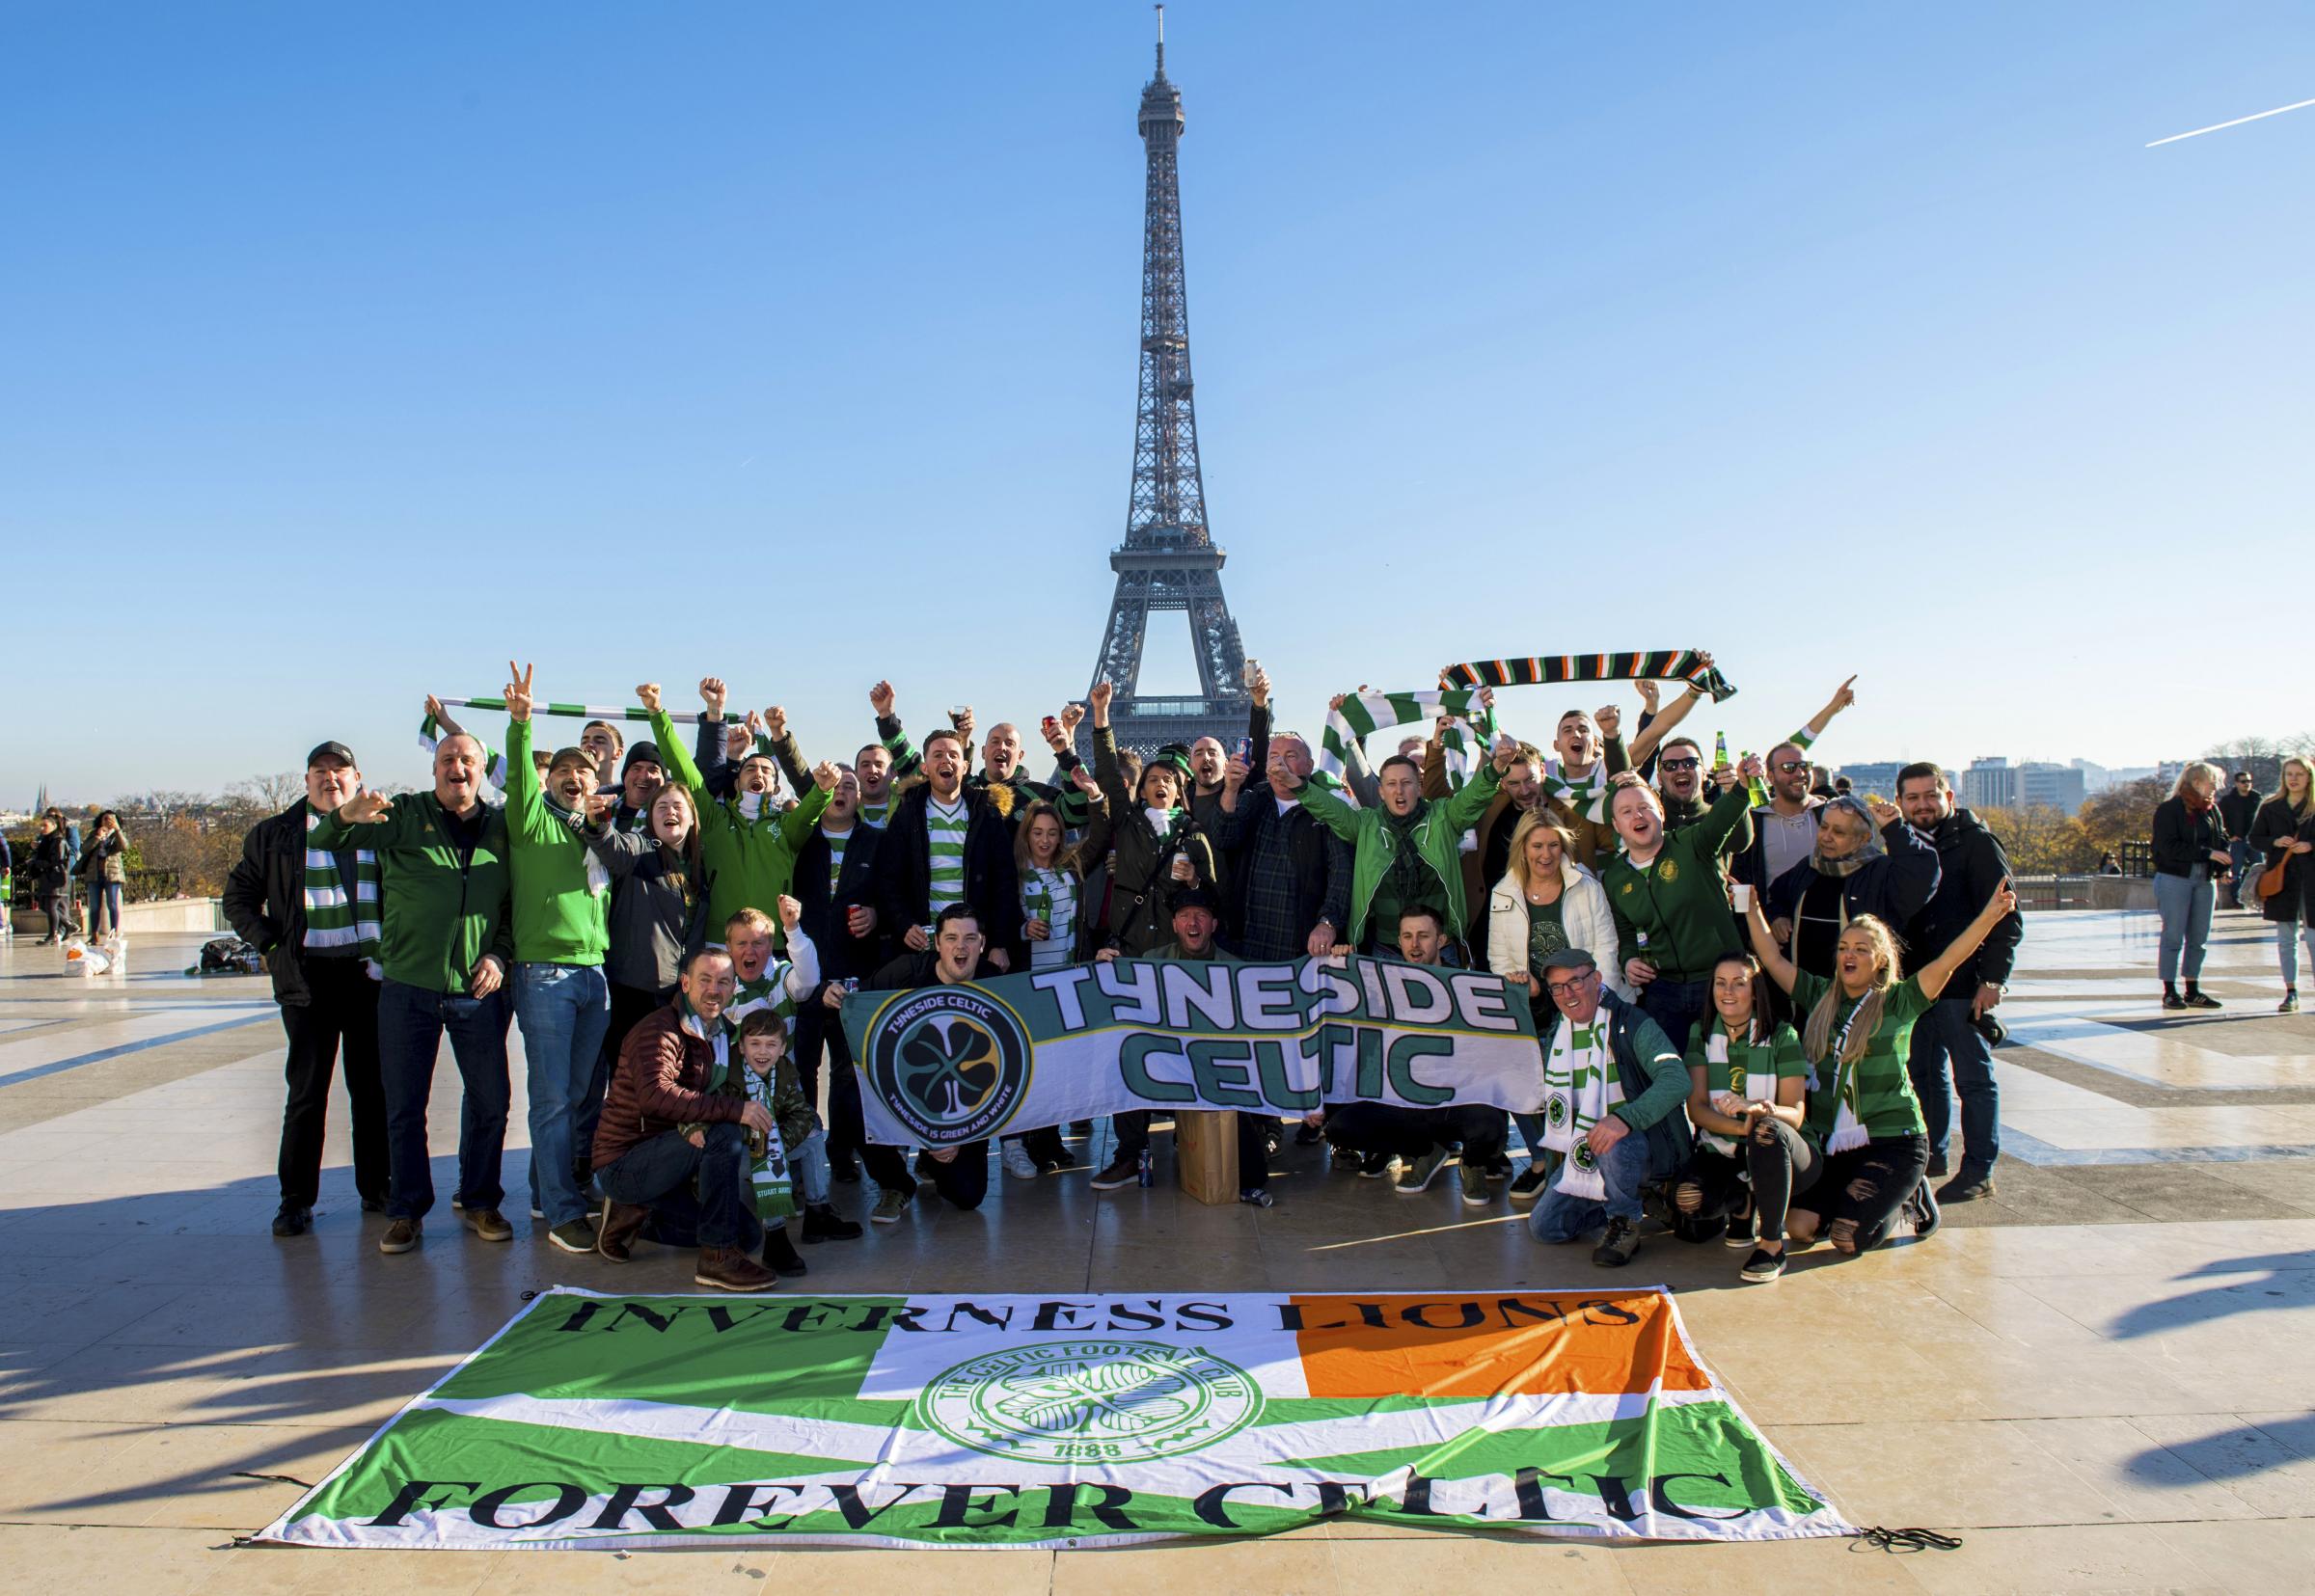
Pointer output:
x,y
352,349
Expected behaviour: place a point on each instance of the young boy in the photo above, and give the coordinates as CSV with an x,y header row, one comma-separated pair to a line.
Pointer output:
x,y
798,1162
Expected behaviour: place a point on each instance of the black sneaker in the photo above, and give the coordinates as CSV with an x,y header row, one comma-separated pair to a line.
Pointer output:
x,y
292,1220
1308,1136
844,1168
1965,1188
2289,1003
1617,1247
374,1204
1528,1184
1763,1266
1257,1197
2197,998
1123,1171
1374,1166
1922,1208
2171,1000
1936,1170
1740,1229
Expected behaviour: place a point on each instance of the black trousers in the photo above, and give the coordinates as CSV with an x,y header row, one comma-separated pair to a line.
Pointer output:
x,y
964,1180
819,1033
342,1015
1483,1131
1253,1143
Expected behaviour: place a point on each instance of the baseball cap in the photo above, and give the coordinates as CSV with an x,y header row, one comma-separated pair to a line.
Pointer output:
x,y
330,750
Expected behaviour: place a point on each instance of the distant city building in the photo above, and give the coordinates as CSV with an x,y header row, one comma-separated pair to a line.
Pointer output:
x,y
2045,786
1880,776
1991,782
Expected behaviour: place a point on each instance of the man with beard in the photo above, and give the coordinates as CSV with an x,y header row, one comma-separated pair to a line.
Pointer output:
x,y
313,914
1955,1028
1784,827
946,844
445,947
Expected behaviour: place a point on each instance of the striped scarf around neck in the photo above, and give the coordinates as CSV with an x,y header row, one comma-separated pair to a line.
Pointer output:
x,y
339,915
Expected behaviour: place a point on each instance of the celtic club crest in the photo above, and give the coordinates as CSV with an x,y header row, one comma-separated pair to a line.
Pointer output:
x,y
951,1062
1585,1158
1668,871
1555,1112
1090,1401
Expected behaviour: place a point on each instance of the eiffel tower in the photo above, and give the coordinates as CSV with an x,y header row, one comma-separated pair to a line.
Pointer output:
x,y
1169,559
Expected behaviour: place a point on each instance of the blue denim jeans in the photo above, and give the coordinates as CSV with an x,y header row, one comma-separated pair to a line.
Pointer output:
x,y
699,1193
1945,1033
1559,1217
2247,861
411,1021
2183,902
2287,933
563,1010
809,1159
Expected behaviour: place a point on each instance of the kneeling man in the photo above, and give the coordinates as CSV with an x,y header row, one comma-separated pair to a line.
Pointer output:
x,y
649,1171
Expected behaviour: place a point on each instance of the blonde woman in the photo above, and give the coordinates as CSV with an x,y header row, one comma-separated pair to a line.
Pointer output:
x,y
1052,891
1863,1117
2283,832
1544,903
2190,856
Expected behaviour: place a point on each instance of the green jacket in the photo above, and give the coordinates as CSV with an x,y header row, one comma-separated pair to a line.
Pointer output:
x,y
750,863
1437,833
556,919
1678,898
439,917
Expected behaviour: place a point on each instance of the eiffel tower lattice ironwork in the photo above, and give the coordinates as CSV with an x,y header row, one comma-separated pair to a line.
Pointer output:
x,y
1169,559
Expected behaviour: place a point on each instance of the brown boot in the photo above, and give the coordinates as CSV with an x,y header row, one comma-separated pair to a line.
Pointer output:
x,y
730,1269
615,1238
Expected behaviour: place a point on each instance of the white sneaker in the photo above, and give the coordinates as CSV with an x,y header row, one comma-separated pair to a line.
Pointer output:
x,y
1016,1161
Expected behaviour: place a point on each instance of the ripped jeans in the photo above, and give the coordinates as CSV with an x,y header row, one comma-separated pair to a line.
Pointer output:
x,y
1861,1190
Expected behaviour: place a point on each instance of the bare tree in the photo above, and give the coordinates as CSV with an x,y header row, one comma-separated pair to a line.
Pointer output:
x,y
271,793
176,801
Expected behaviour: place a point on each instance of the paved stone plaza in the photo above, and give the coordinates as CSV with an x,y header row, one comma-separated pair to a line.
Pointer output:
x,y
2100,1381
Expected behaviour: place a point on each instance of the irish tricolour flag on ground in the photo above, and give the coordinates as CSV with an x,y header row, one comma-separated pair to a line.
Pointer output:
x,y
997,1421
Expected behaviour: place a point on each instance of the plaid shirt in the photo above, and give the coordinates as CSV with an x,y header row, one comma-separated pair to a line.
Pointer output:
x,y
1274,926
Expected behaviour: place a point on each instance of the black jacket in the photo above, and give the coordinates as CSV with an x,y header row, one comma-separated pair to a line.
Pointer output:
x,y
1141,883
51,858
915,971
1972,864
842,955
2237,811
2275,826
904,868
264,900
1895,887
1322,871
2183,841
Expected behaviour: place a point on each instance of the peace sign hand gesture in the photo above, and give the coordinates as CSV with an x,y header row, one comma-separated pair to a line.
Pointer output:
x,y
518,692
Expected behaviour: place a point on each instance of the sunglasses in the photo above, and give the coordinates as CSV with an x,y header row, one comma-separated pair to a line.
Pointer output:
x,y
1789,766
1681,763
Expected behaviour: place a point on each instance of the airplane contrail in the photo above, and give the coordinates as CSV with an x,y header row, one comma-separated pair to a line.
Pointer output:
x,y
2260,115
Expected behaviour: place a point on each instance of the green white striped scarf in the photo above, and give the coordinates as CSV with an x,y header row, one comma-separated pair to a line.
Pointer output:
x,y
335,918
944,836
1361,718
1663,664
1580,1085
771,1178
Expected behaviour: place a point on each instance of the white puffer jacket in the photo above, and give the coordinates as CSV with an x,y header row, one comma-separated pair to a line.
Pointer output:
x,y
1583,914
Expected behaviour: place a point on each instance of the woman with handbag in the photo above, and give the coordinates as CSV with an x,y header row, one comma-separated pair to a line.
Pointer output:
x,y
2282,836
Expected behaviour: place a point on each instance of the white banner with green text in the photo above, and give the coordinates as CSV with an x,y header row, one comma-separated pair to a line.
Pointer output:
x,y
1008,1421
946,1065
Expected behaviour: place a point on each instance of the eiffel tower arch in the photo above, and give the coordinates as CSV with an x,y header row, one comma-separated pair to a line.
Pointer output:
x,y
1168,560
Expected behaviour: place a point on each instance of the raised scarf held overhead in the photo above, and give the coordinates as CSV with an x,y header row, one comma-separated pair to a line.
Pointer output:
x,y
1663,664
1361,718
